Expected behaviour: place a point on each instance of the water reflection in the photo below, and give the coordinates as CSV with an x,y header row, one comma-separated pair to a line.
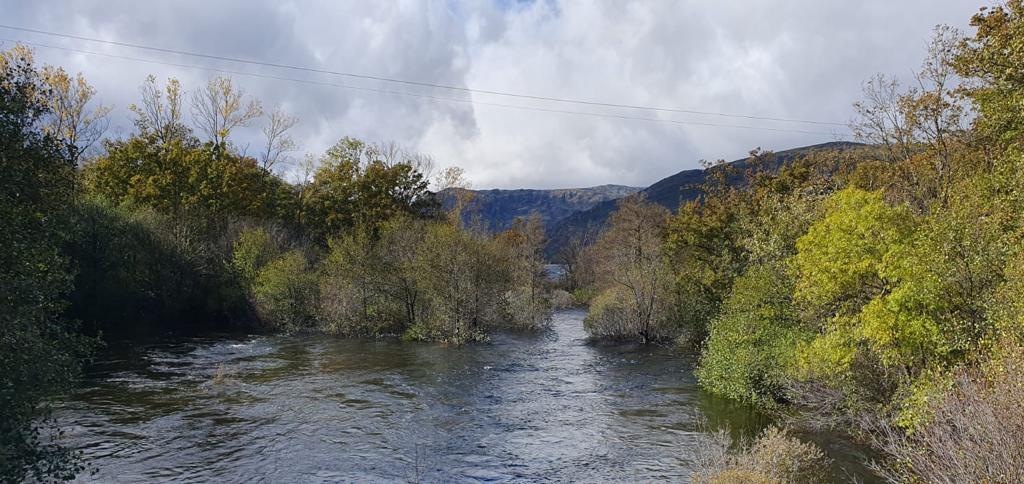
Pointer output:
x,y
306,409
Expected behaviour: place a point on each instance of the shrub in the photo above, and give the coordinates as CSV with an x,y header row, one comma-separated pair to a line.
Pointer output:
x,y
974,432
615,314
253,249
527,308
775,457
752,344
561,299
286,292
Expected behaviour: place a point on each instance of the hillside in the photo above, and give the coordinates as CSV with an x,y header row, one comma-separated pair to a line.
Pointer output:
x,y
499,208
669,192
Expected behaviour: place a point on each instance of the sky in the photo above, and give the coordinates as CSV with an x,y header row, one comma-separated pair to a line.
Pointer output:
x,y
793,59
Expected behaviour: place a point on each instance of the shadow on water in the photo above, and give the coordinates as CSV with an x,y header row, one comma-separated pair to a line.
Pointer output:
x,y
523,407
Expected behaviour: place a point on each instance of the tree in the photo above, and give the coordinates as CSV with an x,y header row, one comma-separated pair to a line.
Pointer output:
x,y
523,248
453,180
183,176
285,292
40,350
355,187
219,108
841,258
279,142
753,343
455,273
156,116
989,60
843,273
71,120
634,275
576,257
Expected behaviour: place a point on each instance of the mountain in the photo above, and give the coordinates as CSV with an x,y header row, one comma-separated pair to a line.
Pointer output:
x,y
669,192
499,208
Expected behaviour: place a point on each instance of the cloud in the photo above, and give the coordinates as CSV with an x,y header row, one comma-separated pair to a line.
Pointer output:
x,y
802,59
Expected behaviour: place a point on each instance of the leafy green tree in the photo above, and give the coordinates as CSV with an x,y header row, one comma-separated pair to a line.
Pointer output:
x,y
464,290
253,250
991,59
841,266
523,248
40,350
841,257
183,176
285,292
356,298
356,185
753,343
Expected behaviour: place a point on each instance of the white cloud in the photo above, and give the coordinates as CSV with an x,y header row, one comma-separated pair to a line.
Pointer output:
x,y
802,59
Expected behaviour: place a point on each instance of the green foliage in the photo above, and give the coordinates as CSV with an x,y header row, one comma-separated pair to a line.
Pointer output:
x,y
701,243
141,270
358,185
285,292
522,250
992,58
464,292
434,281
840,259
40,349
253,250
754,341
184,176
356,298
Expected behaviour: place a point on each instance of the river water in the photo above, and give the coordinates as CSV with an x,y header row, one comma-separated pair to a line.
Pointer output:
x,y
541,407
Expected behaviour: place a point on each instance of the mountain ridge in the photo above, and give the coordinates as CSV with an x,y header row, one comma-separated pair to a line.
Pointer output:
x,y
498,208
669,192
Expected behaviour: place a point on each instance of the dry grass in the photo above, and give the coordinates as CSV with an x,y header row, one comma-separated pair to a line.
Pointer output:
x,y
775,457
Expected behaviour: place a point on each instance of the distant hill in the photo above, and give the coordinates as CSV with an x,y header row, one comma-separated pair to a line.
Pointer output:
x,y
669,192
499,208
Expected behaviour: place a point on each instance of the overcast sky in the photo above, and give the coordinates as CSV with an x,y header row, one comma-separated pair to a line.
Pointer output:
x,y
781,59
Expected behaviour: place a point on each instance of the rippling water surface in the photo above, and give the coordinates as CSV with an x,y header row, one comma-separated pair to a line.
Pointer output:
x,y
545,407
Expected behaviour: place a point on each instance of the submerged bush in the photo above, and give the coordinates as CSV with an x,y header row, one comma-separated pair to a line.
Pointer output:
x,y
634,279
463,292
775,457
616,315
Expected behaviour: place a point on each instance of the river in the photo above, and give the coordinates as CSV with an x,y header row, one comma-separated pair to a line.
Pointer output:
x,y
541,407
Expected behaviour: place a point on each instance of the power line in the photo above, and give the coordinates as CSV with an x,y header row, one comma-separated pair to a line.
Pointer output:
x,y
416,83
418,95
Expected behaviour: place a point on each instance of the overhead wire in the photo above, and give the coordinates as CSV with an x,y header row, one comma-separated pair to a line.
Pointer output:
x,y
413,94
416,83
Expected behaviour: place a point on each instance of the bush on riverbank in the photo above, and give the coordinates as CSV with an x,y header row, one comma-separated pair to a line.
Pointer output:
x,y
973,432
